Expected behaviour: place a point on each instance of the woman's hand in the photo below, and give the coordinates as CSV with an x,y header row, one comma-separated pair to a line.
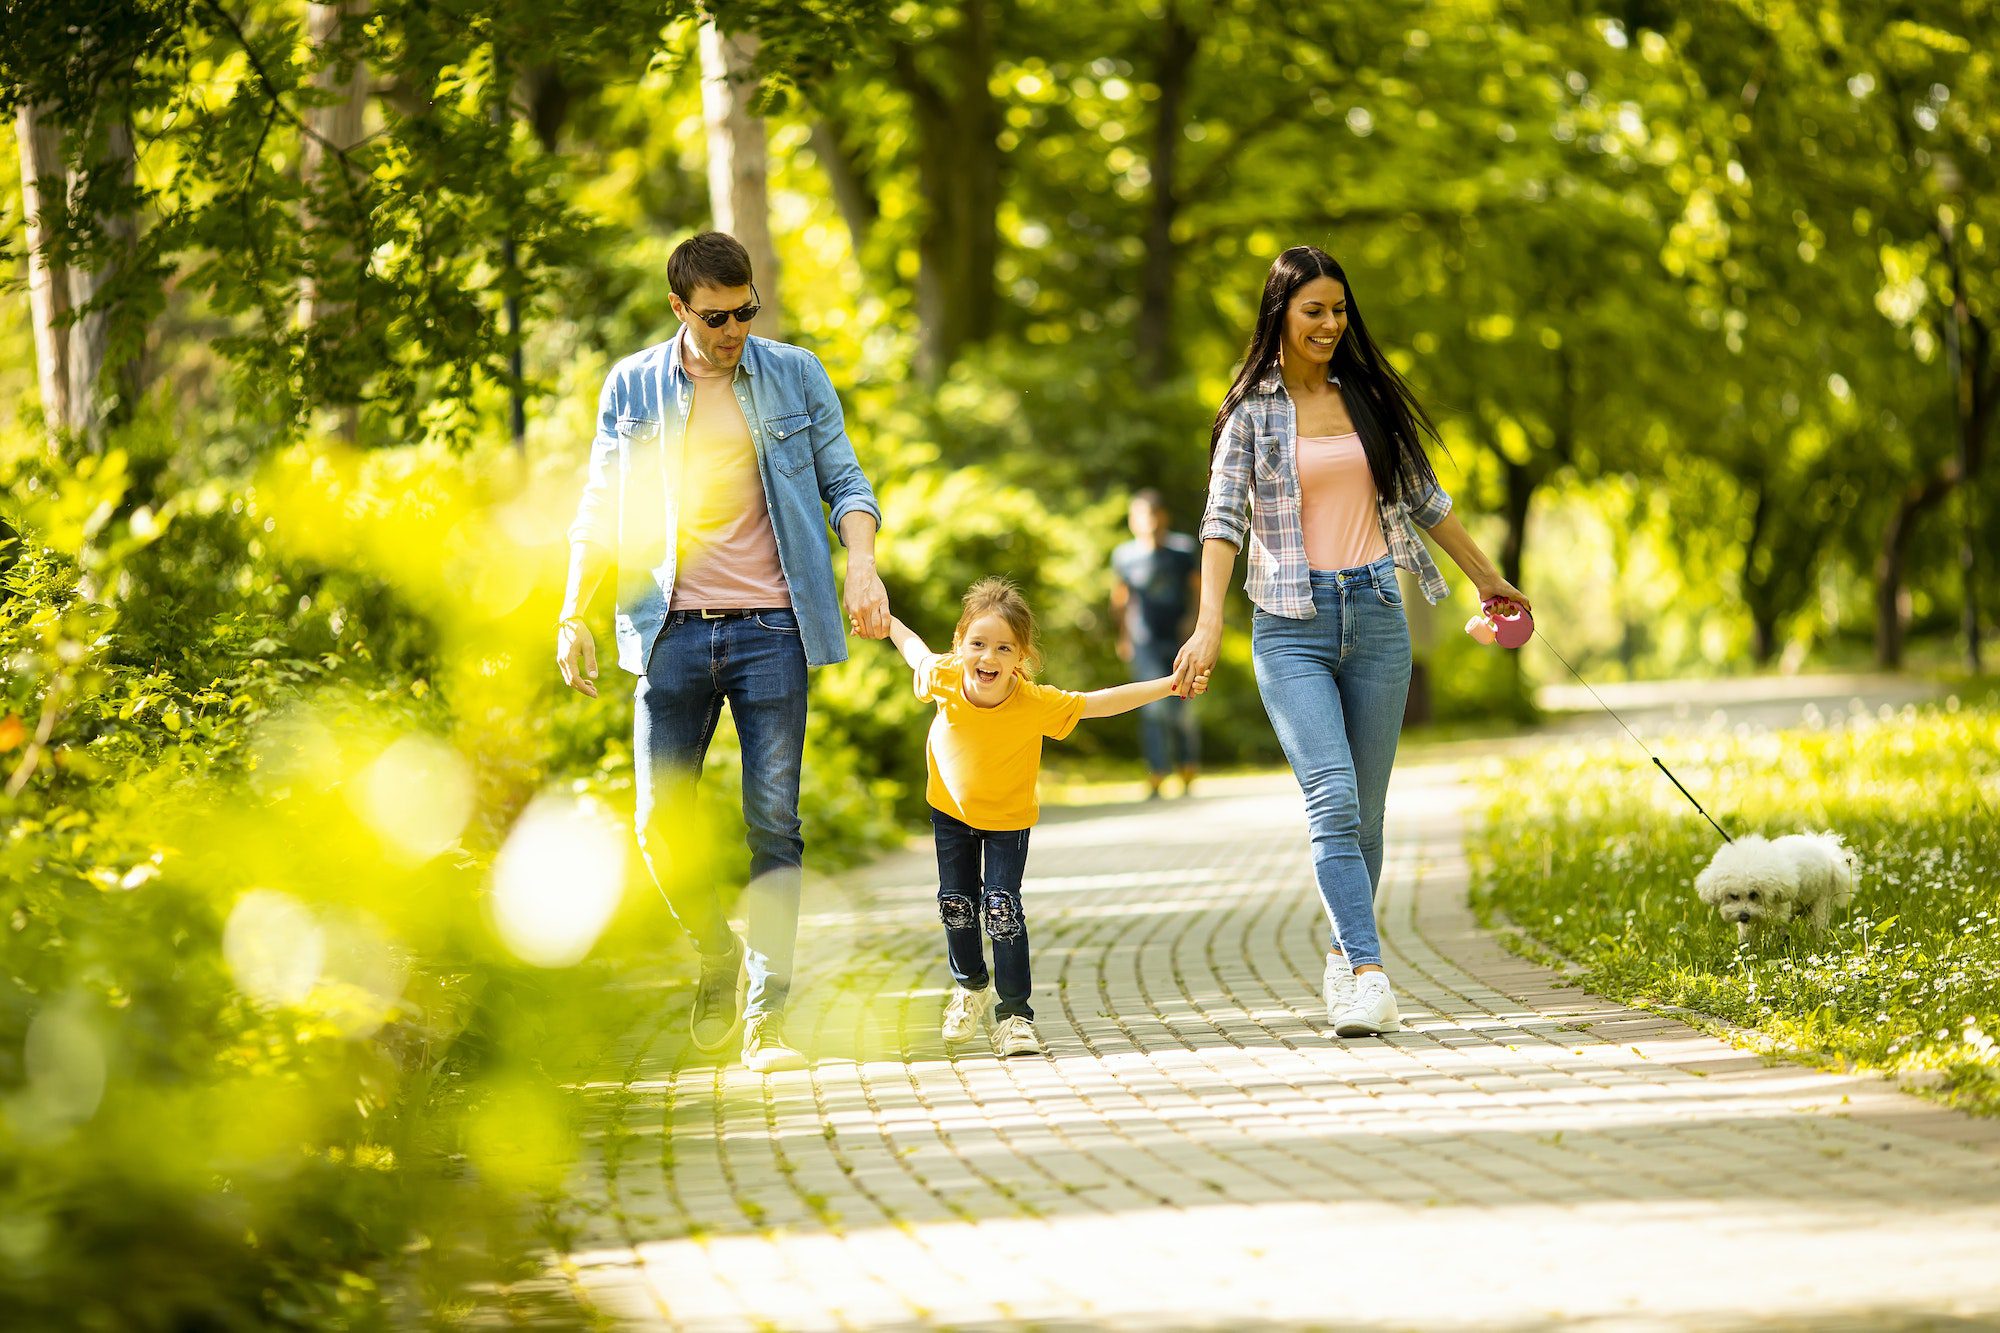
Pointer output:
x,y
1196,659
1498,589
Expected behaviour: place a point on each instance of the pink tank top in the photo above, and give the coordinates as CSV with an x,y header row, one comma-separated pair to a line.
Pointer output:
x,y
728,548
1337,503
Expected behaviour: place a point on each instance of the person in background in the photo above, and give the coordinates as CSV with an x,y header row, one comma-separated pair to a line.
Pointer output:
x,y
1155,589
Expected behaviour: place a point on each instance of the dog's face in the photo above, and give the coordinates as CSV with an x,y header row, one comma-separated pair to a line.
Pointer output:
x,y
1749,883
1748,904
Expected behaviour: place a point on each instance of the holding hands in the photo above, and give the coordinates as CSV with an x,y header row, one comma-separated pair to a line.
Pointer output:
x,y
1196,660
867,602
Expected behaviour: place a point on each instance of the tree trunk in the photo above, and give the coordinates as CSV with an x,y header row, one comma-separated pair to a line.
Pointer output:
x,y
1893,558
333,126
43,183
1967,349
1158,353
959,169
1521,481
104,356
851,194
547,96
738,191
1757,592
1764,635
1889,588
1890,562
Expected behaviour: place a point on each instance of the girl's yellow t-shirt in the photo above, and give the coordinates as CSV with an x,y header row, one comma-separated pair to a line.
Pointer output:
x,y
984,761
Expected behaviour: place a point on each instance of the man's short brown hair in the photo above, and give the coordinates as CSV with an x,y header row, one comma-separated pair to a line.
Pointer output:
x,y
708,259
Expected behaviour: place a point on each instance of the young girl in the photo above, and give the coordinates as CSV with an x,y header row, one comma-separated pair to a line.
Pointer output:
x,y
984,751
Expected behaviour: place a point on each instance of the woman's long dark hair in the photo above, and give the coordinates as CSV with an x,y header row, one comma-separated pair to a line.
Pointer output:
x,y
1386,414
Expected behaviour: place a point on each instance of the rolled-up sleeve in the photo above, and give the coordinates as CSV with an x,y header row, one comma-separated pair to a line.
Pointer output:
x,y
1429,509
1227,515
597,511
842,484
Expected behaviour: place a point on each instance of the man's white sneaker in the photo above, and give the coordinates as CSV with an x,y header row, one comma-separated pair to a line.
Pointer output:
x,y
1371,1012
1015,1035
964,1013
1336,987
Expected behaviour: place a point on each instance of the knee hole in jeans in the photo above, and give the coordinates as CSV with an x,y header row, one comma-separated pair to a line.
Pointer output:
x,y
1003,916
957,913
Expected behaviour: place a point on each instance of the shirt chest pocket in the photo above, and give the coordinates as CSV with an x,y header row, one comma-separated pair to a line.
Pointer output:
x,y
788,440
1272,473
638,443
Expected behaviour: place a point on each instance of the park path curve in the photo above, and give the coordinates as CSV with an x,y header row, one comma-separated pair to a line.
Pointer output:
x,y
1198,1152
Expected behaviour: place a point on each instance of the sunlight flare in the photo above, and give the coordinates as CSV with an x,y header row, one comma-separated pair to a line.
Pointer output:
x,y
558,880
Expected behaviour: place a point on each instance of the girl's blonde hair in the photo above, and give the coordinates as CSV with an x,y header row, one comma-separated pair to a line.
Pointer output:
x,y
997,596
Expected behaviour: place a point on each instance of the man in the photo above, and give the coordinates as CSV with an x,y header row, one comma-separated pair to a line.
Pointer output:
x,y
713,456
1156,588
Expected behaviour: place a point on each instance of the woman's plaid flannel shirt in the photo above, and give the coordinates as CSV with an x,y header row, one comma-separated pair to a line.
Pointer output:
x,y
1253,493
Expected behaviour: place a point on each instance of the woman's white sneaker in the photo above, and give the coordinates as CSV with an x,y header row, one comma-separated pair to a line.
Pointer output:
x,y
1337,986
1372,1011
964,1013
1015,1035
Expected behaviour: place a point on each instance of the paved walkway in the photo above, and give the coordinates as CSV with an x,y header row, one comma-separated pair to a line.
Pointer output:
x,y
1196,1152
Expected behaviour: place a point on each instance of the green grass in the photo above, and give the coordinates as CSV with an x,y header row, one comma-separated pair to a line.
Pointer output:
x,y
1592,853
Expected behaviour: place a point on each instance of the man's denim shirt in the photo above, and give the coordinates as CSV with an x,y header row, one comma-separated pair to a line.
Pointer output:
x,y
803,454
1253,494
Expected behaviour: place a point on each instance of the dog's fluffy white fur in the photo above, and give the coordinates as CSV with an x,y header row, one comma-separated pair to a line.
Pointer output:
x,y
1762,883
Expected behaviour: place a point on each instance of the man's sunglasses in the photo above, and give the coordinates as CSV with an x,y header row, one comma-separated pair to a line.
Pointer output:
x,y
715,319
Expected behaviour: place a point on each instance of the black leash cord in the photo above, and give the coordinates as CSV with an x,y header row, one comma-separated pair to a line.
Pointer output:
x,y
1635,738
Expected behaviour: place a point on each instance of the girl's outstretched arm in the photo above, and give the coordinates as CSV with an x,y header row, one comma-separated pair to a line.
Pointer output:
x,y
1124,698
907,643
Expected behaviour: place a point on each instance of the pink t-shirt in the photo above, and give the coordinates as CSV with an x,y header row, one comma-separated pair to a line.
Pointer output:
x,y
728,549
1338,503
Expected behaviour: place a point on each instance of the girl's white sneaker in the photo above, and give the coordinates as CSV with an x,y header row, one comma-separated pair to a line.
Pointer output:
x,y
1015,1035
1372,1011
964,1013
1336,987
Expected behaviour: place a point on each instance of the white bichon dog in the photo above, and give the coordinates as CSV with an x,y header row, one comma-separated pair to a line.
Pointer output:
x,y
1764,883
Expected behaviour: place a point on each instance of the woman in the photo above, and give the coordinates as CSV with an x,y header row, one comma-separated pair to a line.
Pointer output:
x,y
1317,458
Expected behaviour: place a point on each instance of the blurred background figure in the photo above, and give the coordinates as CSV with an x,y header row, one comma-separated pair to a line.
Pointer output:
x,y
1156,587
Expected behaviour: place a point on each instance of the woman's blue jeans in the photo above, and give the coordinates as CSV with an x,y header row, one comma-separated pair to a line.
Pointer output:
x,y
970,892
1334,687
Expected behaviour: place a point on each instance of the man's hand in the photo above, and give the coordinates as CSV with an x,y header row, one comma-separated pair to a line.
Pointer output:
x,y
867,601
576,656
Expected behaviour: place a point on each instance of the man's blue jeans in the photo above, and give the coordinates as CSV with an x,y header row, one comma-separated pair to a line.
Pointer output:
x,y
1334,688
757,664
969,892
1169,731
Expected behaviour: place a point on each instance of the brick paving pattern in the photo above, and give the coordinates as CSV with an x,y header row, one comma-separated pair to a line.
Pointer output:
x,y
1197,1151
